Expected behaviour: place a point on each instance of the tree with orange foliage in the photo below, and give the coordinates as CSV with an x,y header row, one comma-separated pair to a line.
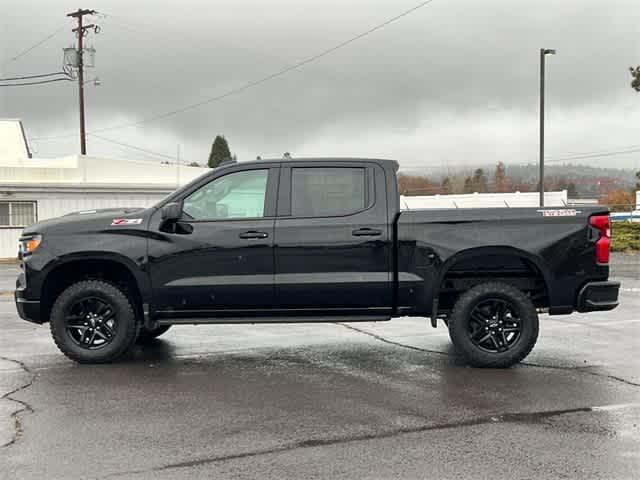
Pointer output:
x,y
417,185
500,179
619,200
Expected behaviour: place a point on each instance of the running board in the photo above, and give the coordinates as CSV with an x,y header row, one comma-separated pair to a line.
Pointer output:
x,y
291,319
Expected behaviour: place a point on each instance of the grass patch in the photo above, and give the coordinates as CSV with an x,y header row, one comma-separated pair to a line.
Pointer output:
x,y
626,237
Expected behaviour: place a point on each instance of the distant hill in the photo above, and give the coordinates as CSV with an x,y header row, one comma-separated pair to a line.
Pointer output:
x,y
589,181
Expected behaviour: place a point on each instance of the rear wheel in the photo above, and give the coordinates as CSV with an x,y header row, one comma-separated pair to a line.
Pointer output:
x,y
146,335
494,325
93,321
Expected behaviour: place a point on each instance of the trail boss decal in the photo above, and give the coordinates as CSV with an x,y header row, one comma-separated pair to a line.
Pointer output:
x,y
567,212
126,221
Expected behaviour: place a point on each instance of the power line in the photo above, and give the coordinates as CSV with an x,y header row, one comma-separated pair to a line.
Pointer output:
x,y
133,147
595,155
35,83
593,152
266,78
36,45
28,77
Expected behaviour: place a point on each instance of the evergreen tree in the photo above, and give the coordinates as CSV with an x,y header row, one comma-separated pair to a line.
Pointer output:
x,y
468,185
446,186
635,75
219,152
570,187
479,181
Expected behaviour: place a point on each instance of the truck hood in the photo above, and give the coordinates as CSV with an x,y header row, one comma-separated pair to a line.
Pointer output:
x,y
87,220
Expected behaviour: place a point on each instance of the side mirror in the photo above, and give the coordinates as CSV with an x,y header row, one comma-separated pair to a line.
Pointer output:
x,y
172,211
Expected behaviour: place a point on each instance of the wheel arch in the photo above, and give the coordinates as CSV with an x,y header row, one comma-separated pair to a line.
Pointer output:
x,y
536,265
111,267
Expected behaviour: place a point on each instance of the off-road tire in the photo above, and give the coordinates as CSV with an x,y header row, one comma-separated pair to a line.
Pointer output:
x,y
146,335
125,333
459,323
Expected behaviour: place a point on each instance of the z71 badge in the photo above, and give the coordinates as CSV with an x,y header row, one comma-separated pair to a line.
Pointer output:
x,y
126,221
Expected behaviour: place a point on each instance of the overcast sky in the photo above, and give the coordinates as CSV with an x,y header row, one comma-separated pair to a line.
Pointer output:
x,y
455,82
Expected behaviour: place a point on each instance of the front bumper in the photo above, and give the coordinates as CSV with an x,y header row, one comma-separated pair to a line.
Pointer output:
x,y
27,309
597,296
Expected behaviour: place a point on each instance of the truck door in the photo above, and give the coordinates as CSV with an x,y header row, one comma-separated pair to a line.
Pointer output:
x,y
332,238
220,258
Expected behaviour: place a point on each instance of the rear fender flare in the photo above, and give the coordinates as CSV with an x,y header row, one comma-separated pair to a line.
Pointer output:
x,y
463,255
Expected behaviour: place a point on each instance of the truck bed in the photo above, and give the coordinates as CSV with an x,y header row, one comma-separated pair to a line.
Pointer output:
x,y
436,246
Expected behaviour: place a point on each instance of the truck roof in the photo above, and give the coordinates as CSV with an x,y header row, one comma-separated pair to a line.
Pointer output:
x,y
392,163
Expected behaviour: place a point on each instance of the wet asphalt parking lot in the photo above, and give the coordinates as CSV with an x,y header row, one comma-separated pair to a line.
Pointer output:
x,y
386,400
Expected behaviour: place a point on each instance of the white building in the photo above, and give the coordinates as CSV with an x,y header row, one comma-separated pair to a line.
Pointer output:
x,y
33,189
484,200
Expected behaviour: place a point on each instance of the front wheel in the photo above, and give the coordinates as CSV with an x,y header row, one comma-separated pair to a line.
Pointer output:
x,y
493,325
93,321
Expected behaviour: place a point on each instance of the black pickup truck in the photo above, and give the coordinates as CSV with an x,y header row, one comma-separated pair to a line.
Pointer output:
x,y
311,240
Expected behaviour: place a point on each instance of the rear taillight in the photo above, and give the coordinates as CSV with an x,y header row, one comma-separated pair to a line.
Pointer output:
x,y
602,223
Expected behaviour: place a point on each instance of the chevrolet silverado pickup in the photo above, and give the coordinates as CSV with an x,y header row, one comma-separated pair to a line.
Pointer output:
x,y
310,240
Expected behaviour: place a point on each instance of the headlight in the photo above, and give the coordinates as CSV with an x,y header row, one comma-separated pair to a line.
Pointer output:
x,y
29,244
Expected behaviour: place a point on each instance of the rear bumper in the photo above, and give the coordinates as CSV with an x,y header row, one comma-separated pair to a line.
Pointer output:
x,y
596,296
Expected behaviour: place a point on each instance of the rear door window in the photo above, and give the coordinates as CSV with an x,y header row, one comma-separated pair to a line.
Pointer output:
x,y
327,191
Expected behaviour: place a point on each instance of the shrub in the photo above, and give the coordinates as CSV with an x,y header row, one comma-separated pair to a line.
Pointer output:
x,y
626,236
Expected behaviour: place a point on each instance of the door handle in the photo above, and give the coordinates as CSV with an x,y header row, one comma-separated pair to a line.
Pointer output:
x,y
253,234
366,232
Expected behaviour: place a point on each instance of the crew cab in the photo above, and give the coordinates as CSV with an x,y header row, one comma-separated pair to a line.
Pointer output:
x,y
311,240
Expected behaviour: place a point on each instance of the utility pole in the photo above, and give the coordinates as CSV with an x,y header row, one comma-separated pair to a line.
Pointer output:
x,y
543,53
80,32
178,165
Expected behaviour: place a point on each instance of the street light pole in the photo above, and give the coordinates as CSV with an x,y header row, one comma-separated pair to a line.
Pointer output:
x,y
543,53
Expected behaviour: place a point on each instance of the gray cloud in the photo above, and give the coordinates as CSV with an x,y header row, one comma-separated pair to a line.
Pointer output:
x,y
455,82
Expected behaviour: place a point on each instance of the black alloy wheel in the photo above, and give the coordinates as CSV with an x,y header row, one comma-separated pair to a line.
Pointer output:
x,y
495,325
94,321
91,323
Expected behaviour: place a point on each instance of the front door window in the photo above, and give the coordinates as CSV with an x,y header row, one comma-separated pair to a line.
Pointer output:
x,y
233,196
